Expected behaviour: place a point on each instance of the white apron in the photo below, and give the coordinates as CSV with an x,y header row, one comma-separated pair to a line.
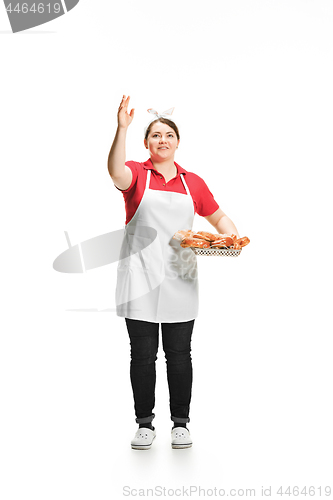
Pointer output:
x,y
158,282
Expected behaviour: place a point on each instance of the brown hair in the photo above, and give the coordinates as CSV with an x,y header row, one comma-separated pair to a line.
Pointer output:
x,y
167,122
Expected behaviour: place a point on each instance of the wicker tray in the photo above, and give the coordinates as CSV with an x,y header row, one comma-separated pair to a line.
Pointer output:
x,y
214,252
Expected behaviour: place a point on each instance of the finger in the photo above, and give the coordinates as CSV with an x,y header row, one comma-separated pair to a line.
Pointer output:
x,y
122,101
126,102
123,105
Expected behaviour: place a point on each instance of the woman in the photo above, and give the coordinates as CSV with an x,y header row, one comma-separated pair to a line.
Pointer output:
x,y
157,278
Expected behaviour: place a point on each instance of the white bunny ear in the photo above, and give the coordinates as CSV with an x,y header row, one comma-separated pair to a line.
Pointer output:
x,y
168,112
152,111
157,115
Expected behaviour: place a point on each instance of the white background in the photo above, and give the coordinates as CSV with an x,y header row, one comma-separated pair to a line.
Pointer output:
x,y
251,82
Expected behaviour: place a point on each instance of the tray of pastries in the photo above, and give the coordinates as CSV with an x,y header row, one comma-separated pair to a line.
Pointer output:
x,y
205,243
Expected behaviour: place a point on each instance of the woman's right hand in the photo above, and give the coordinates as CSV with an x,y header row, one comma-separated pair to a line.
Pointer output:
x,y
124,119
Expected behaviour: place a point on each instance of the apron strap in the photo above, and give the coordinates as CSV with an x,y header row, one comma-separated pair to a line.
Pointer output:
x,y
188,192
148,179
185,185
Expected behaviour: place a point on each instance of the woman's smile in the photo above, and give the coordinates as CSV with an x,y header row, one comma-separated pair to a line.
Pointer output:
x,y
162,140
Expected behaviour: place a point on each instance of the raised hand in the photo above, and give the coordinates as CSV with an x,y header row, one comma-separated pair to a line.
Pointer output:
x,y
124,118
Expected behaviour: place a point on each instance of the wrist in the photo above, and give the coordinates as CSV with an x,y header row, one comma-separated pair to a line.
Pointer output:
x,y
122,128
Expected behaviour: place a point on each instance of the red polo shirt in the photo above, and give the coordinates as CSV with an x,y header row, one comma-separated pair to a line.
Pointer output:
x,y
203,200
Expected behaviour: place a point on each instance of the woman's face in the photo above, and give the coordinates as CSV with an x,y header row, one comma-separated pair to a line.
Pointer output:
x,y
162,142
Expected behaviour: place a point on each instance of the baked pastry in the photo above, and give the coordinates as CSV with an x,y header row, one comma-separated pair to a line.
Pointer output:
x,y
206,235
205,239
222,242
243,241
194,242
180,235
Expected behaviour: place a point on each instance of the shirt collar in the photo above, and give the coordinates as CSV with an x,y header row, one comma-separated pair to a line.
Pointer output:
x,y
149,166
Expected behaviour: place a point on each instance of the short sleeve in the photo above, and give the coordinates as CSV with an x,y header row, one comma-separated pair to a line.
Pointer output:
x,y
132,165
204,201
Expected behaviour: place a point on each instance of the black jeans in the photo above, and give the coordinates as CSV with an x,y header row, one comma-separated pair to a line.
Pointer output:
x,y
144,339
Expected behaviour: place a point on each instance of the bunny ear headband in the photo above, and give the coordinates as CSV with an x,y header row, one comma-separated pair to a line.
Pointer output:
x,y
156,115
